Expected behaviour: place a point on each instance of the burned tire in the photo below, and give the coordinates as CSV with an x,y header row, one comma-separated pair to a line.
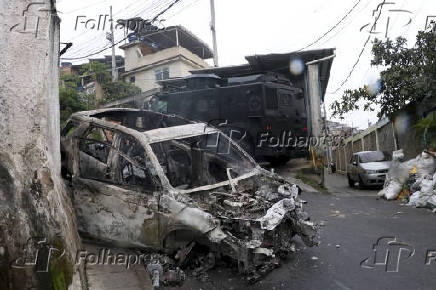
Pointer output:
x,y
350,181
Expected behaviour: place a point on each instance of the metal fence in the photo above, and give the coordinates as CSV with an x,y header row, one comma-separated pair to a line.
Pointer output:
x,y
377,137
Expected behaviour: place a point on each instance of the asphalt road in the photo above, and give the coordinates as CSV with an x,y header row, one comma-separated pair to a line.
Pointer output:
x,y
353,220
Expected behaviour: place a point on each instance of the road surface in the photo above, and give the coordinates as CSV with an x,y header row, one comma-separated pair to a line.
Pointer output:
x,y
353,221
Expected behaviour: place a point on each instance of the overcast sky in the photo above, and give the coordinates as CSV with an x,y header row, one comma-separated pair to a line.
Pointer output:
x,y
247,27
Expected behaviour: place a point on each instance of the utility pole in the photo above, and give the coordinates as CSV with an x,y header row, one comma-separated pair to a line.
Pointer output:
x,y
212,28
112,40
327,138
315,105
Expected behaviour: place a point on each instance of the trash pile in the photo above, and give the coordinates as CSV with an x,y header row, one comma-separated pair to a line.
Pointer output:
x,y
413,181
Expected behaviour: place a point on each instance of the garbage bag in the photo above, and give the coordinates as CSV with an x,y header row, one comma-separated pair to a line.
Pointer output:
x,y
426,165
398,155
418,199
397,176
426,195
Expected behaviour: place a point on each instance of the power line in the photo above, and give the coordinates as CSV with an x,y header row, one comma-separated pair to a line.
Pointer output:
x,y
107,47
80,49
87,6
86,49
165,10
363,48
344,26
333,27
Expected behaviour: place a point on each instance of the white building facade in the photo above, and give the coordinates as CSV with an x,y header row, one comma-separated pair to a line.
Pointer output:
x,y
166,54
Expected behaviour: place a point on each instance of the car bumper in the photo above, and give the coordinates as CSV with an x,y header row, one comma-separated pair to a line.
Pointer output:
x,y
374,178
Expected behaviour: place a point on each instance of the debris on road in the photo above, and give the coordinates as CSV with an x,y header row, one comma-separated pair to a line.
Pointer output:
x,y
413,181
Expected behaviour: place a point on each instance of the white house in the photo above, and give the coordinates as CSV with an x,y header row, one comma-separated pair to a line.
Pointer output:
x,y
157,55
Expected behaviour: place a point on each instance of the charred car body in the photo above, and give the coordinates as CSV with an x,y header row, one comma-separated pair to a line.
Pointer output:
x,y
149,180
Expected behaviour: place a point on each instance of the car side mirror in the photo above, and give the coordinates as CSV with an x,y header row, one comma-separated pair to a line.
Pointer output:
x,y
354,163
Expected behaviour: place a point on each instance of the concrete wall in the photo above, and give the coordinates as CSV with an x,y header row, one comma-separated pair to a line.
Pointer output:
x,y
407,139
132,61
179,61
33,197
386,138
369,141
146,79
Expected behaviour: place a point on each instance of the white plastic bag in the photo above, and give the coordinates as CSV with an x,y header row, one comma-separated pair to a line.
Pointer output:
x,y
426,165
398,175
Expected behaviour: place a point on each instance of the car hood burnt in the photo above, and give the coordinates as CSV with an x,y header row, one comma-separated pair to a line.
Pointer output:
x,y
258,217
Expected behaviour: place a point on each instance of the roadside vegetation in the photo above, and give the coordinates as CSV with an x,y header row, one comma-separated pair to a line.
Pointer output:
x,y
74,98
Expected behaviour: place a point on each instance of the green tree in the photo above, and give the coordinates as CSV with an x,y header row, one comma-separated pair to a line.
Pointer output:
x,y
72,100
118,90
113,91
408,77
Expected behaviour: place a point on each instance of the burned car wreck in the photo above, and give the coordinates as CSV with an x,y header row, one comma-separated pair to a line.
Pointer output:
x,y
155,181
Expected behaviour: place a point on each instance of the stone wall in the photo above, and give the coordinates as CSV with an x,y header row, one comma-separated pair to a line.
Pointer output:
x,y
33,198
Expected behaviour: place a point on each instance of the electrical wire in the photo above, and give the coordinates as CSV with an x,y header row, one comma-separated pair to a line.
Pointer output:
x,y
153,8
361,52
118,42
333,27
344,26
86,42
85,49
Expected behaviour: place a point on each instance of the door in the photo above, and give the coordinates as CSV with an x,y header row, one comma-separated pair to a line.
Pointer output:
x,y
114,194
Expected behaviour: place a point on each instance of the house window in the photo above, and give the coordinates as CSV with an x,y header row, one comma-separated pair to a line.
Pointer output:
x,y
162,74
132,79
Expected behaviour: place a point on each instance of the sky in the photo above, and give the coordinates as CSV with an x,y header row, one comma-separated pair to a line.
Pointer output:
x,y
248,27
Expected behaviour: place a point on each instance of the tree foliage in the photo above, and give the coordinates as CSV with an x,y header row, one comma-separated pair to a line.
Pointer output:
x,y
407,78
72,99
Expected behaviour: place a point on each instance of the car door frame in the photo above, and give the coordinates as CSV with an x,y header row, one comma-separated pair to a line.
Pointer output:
x,y
150,233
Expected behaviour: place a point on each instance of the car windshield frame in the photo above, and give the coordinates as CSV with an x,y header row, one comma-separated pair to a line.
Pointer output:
x,y
204,132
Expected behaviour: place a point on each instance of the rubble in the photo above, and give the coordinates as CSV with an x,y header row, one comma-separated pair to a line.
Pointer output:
x,y
413,181
159,182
